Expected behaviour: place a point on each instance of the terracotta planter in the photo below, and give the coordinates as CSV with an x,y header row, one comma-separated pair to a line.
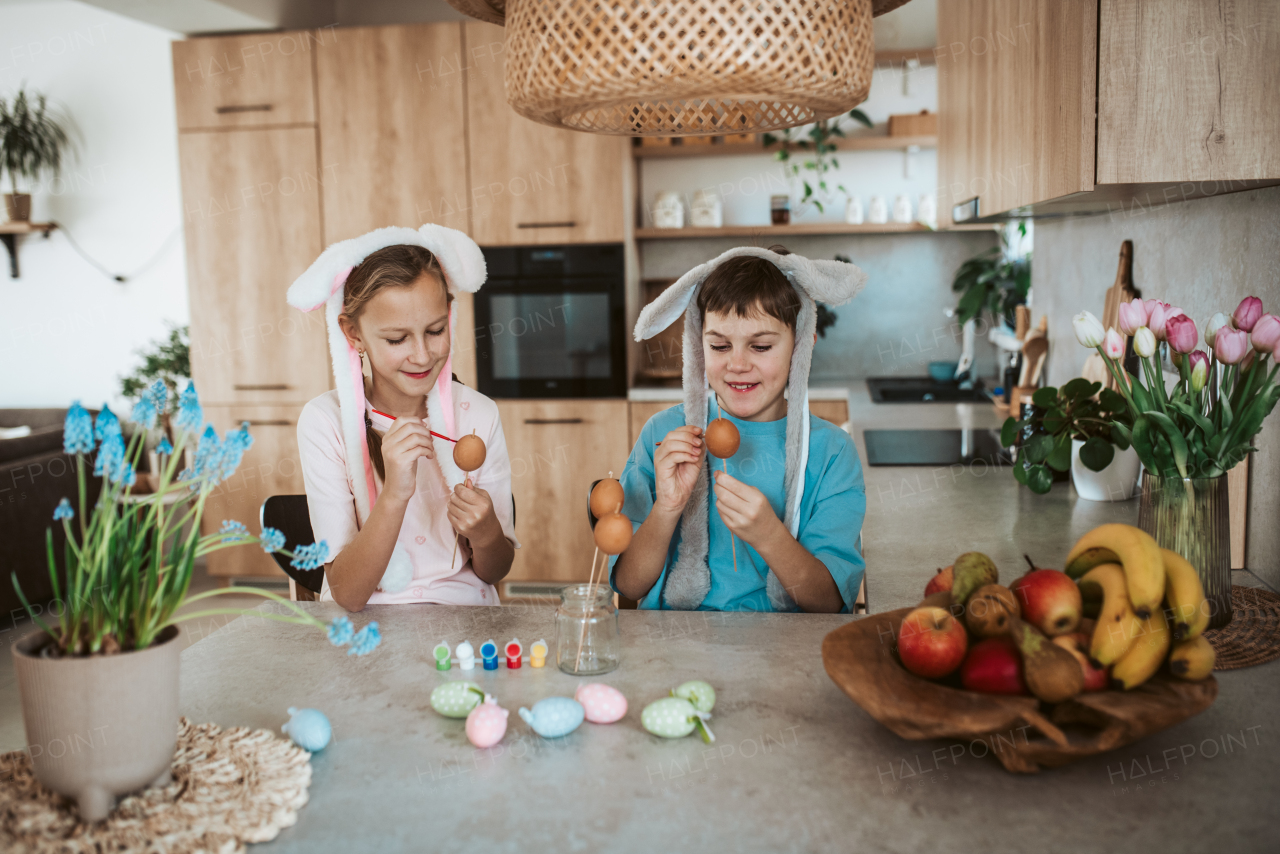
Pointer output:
x,y
1117,482
18,206
103,726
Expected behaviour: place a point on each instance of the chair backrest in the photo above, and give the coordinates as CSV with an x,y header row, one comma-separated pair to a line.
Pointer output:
x,y
289,515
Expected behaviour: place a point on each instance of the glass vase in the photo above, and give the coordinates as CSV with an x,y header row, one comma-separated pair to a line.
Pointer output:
x,y
587,638
1191,516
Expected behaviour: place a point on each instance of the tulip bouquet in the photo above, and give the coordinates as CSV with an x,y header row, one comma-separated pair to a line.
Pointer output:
x,y
1204,425
128,559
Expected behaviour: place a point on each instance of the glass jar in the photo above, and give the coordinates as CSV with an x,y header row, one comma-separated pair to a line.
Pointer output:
x,y
780,210
587,639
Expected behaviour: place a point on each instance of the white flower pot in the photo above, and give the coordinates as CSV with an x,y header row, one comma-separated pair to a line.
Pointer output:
x,y
1116,482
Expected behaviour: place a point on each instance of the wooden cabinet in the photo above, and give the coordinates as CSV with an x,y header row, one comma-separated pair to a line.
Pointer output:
x,y
557,448
270,467
252,224
391,124
247,81
1083,106
530,183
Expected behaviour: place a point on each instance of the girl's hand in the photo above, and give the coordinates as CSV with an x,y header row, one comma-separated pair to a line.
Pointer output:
x,y
676,464
744,509
471,514
405,443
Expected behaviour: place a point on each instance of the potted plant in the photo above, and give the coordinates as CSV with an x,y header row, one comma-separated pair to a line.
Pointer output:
x,y
820,136
167,362
1189,436
99,681
1073,428
996,280
31,142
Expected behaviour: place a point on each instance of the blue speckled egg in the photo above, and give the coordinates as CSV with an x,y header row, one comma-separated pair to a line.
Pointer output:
x,y
554,717
308,728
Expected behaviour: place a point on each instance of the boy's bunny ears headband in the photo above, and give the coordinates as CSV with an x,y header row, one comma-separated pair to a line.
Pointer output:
x,y
830,282
322,285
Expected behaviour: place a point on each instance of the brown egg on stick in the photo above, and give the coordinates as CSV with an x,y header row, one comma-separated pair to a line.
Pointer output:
x,y
613,533
468,454
723,439
606,497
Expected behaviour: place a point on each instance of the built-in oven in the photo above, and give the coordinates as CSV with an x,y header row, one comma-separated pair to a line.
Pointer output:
x,y
550,322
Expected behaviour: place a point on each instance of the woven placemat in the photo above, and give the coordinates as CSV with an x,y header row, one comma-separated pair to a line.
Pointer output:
x,y
1253,635
230,787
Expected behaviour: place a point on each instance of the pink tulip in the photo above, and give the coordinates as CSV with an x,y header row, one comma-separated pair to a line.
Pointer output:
x,y
1113,344
1247,313
1132,315
1199,369
1158,318
1266,333
1231,345
1180,331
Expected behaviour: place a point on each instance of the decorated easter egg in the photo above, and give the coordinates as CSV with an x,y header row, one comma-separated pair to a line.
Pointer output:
x,y
487,724
670,717
722,438
469,452
613,533
456,699
554,716
604,704
606,497
699,693
308,728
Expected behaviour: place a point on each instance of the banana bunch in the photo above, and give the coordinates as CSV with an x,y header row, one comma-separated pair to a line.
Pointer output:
x,y
1147,601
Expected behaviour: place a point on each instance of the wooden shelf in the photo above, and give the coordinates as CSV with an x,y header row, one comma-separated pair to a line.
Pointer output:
x,y
853,143
797,229
11,231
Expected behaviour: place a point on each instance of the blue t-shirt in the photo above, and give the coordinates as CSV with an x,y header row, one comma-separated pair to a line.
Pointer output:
x,y
831,510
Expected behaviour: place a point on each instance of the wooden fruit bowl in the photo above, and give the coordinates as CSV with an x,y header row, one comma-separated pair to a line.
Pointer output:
x,y
1023,733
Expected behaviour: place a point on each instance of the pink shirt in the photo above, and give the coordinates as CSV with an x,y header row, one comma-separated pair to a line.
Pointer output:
x,y
426,536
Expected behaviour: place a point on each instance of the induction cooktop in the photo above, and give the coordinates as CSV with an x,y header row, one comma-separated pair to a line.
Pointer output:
x,y
934,447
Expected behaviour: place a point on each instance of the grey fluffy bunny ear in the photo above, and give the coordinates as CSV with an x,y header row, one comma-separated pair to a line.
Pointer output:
x,y
830,282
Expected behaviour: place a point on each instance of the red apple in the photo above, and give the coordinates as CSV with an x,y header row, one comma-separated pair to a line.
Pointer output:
x,y
931,642
940,581
1077,643
1050,601
993,666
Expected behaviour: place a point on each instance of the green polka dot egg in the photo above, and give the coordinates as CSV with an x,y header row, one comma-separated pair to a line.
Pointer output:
x,y
699,693
670,717
456,699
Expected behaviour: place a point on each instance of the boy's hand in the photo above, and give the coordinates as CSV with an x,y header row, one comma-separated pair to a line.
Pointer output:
x,y
676,464
404,444
744,509
471,514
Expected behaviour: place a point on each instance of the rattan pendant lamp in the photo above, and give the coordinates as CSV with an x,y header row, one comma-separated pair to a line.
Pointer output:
x,y
658,68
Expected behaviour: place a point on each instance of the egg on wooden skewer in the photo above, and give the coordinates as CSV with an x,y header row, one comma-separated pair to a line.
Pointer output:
x,y
469,453
723,439
612,535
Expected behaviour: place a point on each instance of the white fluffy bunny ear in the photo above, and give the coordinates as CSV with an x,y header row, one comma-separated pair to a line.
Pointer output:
x,y
460,257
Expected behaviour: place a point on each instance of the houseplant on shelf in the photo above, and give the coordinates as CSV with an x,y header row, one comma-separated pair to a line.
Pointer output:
x,y
31,142
1071,428
103,671
819,141
1190,435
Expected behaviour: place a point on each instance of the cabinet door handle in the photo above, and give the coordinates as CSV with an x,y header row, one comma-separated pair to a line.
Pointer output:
x,y
566,224
242,108
553,421
261,386
268,422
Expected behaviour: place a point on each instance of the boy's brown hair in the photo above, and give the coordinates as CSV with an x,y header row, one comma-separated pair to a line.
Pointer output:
x,y
746,285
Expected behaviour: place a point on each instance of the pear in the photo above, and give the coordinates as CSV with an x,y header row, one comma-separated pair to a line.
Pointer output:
x,y
1052,673
990,611
971,571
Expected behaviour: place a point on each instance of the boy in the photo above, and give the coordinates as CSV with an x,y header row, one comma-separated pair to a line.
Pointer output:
x,y
793,496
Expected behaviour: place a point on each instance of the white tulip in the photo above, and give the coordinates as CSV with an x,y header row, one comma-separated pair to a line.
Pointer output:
x,y
1211,327
1089,331
1144,341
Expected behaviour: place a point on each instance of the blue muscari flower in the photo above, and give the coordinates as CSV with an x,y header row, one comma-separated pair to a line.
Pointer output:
x,y
125,474
233,532
208,453
159,396
271,540
164,447
144,412
341,631
233,448
190,416
310,557
77,432
63,512
106,424
366,640
110,462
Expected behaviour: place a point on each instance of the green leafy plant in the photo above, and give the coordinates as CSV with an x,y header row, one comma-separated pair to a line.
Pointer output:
x,y
818,140
31,138
1079,410
993,281
168,361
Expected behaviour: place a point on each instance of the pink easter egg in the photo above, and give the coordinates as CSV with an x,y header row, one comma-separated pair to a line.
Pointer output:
x,y
487,724
603,703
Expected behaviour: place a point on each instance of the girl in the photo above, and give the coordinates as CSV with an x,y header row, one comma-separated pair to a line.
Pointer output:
x,y
795,498
377,451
